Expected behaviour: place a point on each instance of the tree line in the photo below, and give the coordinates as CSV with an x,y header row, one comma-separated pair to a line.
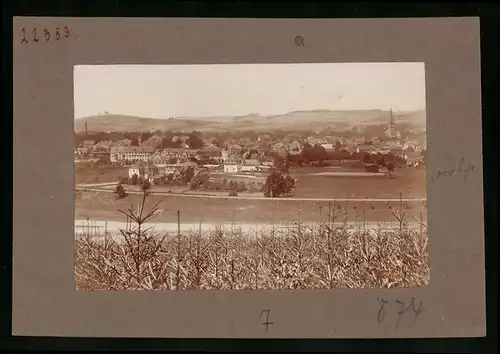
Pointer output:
x,y
196,139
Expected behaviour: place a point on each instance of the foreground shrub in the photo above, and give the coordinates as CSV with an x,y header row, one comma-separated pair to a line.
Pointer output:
x,y
323,257
230,260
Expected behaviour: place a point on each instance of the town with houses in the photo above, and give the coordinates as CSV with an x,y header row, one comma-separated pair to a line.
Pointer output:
x,y
246,155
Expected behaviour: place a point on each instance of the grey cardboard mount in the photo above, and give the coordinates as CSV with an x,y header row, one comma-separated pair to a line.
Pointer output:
x,y
45,301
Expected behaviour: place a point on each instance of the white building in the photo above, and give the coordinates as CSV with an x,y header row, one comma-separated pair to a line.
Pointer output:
x,y
295,146
134,170
413,158
116,153
88,144
248,168
143,170
232,167
131,153
225,155
172,168
250,165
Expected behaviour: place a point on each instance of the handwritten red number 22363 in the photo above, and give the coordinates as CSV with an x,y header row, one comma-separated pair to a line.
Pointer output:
x,y
46,34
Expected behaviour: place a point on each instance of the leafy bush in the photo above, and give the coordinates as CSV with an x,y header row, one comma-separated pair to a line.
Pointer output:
x,y
120,192
124,180
145,184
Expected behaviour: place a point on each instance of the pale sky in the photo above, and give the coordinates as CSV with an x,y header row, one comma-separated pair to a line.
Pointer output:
x,y
162,91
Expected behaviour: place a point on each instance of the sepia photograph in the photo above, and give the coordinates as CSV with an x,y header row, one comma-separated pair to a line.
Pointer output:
x,y
250,176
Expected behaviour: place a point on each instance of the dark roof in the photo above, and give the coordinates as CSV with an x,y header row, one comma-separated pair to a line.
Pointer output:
x,y
209,151
370,147
139,149
251,162
413,154
144,166
178,150
189,163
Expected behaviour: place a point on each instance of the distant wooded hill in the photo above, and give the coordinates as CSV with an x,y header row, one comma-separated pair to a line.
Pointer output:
x,y
297,120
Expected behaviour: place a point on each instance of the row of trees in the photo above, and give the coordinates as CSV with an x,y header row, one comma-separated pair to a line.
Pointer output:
x,y
196,139
317,154
216,138
276,184
200,180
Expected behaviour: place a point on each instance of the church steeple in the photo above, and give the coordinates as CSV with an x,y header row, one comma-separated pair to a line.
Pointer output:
x,y
391,123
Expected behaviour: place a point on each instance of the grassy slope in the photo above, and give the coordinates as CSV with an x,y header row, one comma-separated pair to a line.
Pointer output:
x,y
115,122
410,182
103,206
98,175
293,120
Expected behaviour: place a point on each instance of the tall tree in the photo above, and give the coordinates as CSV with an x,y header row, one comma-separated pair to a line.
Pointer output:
x,y
145,184
120,192
195,140
319,153
286,163
278,184
145,136
216,142
134,141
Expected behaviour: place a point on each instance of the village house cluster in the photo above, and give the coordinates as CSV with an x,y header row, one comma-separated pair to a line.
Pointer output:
x,y
244,154
237,158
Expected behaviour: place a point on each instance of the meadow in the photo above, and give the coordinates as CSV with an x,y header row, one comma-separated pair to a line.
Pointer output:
x,y
104,206
411,182
408,183
87,173
313,182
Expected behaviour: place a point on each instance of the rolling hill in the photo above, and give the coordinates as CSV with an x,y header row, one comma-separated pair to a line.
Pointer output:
x,y
297,120
115,122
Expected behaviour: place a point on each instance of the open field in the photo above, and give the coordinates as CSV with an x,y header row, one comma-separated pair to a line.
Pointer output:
x,y
85,174
411,182
347,182
407,183
312,182
179,190
110,188
104,206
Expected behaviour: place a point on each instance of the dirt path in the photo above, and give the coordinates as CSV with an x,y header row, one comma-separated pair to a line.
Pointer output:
x,y
213,196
